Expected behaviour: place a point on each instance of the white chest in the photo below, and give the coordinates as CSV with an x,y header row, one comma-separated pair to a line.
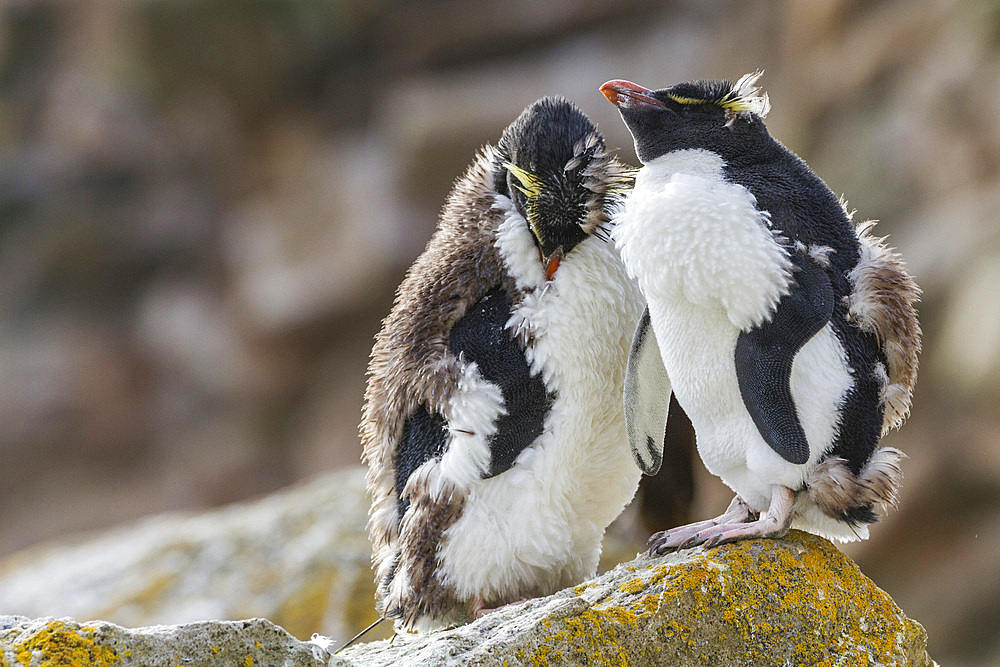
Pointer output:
x,y
710,266
538,525
686,233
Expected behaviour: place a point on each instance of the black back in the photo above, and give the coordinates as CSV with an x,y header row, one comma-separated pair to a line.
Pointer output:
x,y
764,357
803,208
424,437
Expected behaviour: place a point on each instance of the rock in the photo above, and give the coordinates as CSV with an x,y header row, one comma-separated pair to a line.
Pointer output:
x,y
796,600
49,642
299,557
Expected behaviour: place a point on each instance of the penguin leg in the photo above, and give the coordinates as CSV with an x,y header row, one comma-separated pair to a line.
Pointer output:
x,y
773,524
738,512
479,609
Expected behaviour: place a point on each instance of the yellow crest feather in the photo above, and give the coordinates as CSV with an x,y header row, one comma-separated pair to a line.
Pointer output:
x,y
531,185
742,97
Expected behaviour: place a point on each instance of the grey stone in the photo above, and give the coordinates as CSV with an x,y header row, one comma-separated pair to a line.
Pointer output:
x,y
51,641
793,601
299,557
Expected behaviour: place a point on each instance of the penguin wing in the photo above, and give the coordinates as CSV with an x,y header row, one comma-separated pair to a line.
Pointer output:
x,y
481,336
764,356
646,398
425,435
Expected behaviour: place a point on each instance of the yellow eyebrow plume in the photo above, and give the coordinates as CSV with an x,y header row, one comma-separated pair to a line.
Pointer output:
x,y
741,97
531,185
729,103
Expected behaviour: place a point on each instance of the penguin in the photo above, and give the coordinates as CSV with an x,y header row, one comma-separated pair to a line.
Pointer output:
x,y
492,423
788,335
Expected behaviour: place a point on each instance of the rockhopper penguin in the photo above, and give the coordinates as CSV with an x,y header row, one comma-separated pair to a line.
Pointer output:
x,y
492,423
788,336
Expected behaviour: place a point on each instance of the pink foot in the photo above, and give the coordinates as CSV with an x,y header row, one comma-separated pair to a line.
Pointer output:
x,y
735,524
478,610
676,538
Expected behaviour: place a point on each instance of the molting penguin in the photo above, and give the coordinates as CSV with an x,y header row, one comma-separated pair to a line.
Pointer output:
x,y
492,425
788,336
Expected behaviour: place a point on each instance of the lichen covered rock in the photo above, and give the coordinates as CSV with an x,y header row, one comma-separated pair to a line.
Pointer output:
x,y
796,601
792,601
50,642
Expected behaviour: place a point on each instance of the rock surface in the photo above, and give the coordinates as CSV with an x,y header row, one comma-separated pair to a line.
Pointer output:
x,y
796,600
792,601
50,642
299,557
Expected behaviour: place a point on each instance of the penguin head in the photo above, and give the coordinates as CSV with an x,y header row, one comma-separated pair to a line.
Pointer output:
x,y
553,164
719,116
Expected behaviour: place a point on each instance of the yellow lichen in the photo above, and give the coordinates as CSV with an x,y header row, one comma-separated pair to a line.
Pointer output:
x,y
745,597
60,644
778,580
541,656
619,615
633,586
591,635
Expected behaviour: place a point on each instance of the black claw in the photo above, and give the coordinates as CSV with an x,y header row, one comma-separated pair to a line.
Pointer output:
x,y
655,537
689,542
659,548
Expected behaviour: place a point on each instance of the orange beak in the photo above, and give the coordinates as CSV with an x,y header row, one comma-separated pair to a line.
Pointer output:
x,y
552,264
628,95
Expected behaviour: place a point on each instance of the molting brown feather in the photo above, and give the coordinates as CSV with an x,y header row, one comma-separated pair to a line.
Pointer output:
x,y
882,302
411,363
424,525
603,175
838,492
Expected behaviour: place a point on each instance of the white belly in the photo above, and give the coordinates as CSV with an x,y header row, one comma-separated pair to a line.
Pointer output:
x,y
537,527
698,352
710,266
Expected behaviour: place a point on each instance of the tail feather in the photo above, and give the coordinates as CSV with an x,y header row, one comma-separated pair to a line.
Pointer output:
x,y
860,498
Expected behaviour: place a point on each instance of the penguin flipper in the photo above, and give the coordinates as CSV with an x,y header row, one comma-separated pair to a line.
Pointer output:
x,y
646,398
424,437
481,336
764,356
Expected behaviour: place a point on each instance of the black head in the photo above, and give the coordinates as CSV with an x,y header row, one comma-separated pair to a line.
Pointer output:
x,y
719,116
552,162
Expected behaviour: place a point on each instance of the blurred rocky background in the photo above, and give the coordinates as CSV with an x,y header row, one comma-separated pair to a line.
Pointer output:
x,y
205,208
